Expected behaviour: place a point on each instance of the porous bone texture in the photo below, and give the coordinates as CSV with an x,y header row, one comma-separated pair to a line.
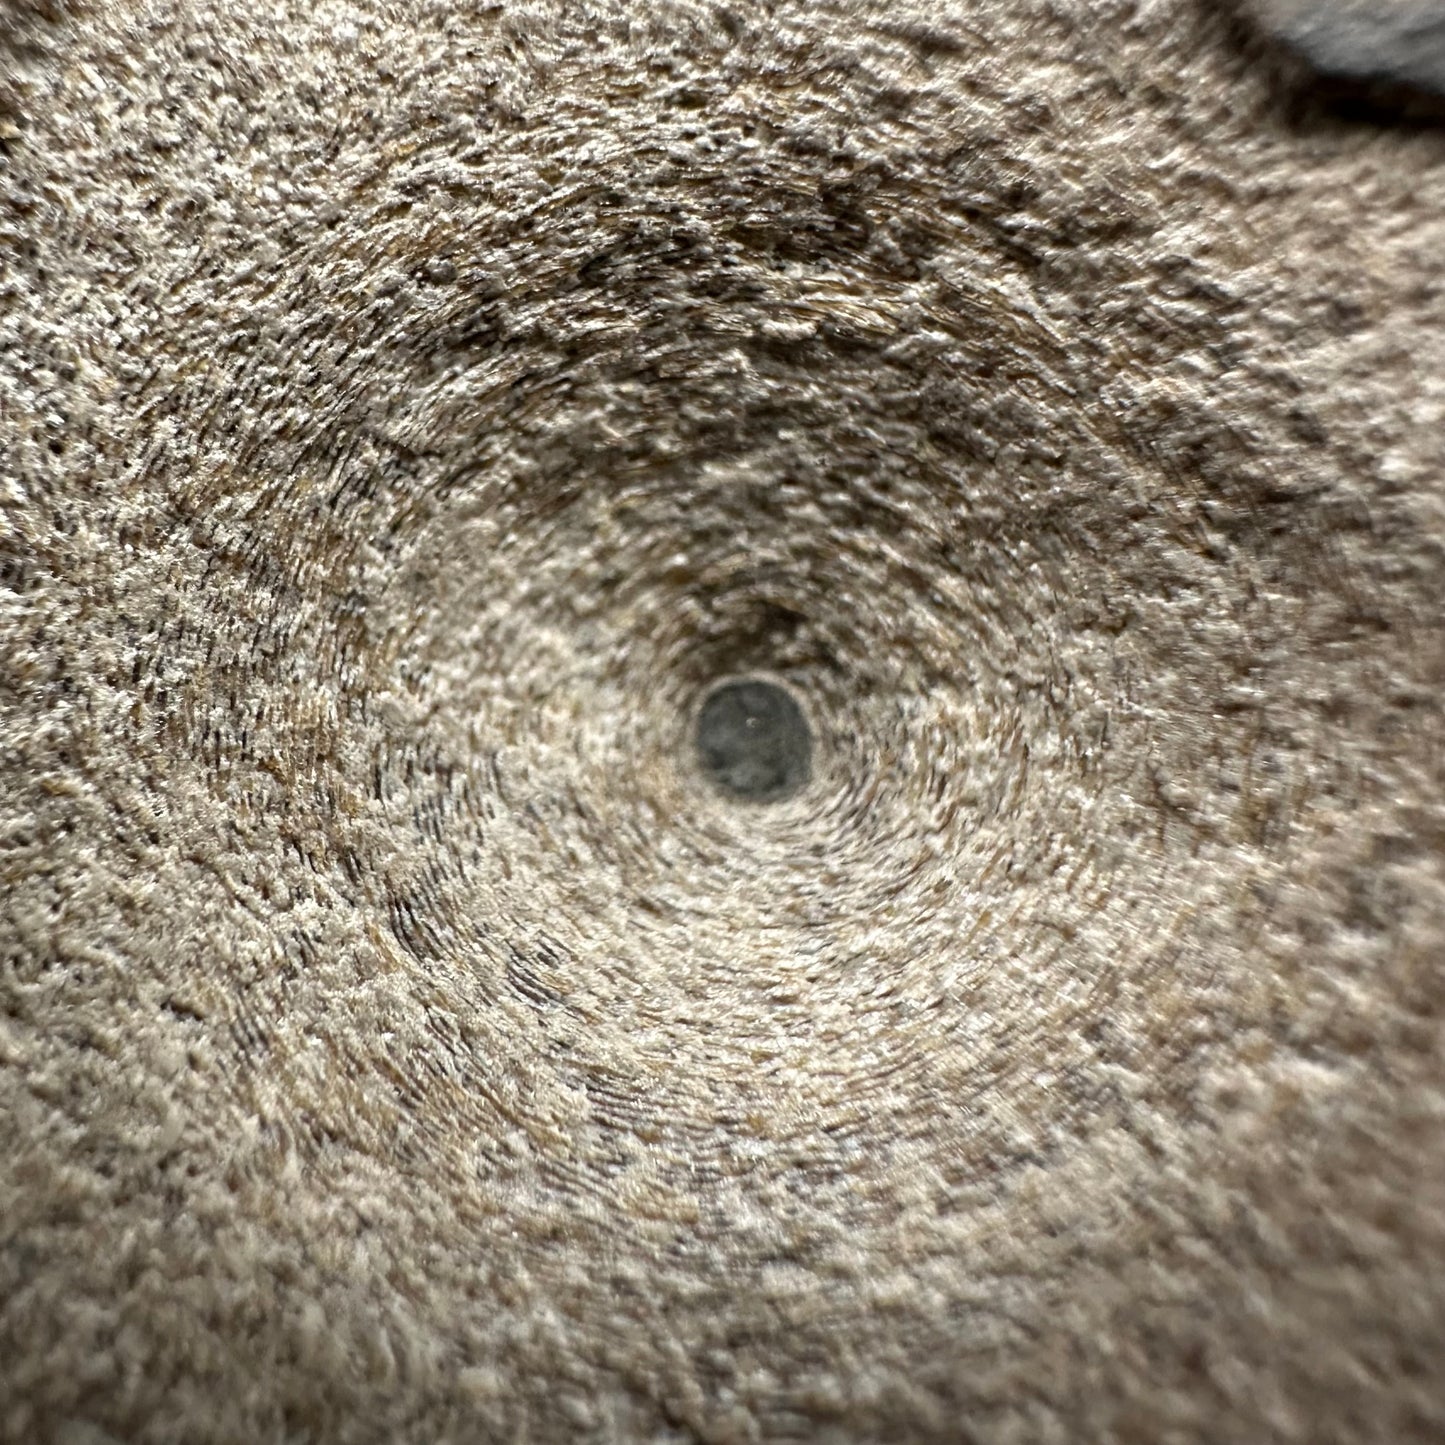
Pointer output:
x,y
408,413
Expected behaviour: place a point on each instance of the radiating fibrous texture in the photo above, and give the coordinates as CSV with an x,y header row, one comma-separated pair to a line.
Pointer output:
x,y
407,415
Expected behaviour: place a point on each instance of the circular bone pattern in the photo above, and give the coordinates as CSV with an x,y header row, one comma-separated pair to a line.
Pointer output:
x,y
425,1019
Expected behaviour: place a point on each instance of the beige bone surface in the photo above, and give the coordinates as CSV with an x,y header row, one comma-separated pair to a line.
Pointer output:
x,y
407,413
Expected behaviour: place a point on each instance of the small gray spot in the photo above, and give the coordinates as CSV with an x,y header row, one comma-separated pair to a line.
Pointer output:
x,y
753,740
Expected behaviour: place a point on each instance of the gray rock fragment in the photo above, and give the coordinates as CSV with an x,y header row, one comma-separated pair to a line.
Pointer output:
x,y
1400,42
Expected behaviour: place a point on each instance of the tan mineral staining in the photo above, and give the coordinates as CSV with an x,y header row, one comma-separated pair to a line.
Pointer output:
x,y
406,417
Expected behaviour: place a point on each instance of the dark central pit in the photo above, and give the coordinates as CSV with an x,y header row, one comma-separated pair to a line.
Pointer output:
x,y
753,741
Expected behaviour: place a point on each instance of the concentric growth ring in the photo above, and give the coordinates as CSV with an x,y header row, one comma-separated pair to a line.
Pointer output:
x,y
719,725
